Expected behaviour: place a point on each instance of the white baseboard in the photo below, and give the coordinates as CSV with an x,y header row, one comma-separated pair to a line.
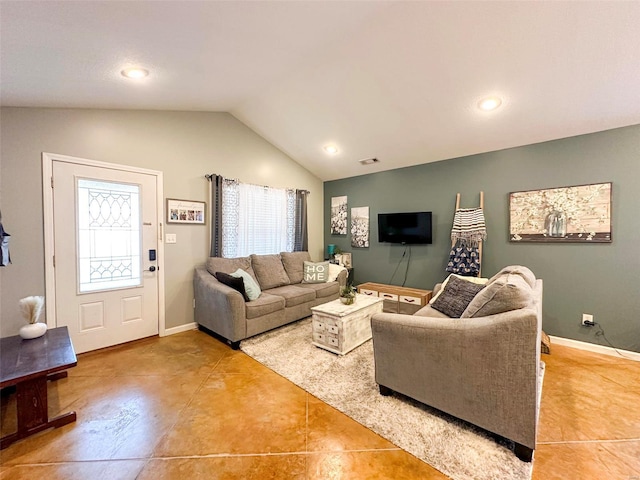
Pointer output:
x,y
180,328
592,347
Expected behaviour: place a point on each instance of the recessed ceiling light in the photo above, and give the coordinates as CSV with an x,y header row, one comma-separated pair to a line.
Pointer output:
x,y
134,72
331,149
489,103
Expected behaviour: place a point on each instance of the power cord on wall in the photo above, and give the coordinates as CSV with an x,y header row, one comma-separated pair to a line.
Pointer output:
x,y
600,333
406,271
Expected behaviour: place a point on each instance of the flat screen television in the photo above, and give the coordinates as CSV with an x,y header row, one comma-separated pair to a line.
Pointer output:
x,y
409,228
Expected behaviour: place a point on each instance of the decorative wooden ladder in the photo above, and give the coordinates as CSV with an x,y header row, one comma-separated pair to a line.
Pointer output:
x,y
480,243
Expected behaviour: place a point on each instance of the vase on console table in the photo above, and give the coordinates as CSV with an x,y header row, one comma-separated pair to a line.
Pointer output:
x,y
31,308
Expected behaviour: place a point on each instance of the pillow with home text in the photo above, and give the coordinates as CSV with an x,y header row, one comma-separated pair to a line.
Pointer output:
x,y
315,272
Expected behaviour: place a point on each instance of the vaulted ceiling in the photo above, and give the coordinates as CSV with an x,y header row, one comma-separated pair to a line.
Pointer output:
x,y
398,81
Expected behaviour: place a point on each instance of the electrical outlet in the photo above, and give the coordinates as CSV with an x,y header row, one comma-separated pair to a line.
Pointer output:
x,y
587,320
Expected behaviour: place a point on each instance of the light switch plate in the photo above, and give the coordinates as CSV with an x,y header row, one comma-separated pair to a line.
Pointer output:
x,y
170,238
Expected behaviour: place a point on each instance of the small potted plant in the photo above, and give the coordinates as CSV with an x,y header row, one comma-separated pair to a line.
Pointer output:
x,y
348,295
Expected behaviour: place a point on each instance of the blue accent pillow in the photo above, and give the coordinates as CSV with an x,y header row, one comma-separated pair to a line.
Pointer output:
x,y
250,285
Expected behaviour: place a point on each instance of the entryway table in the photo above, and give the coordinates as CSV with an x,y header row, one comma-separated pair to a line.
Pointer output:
x,y
28,365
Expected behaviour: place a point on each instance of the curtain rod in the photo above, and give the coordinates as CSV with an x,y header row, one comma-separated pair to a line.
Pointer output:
x,y
210,176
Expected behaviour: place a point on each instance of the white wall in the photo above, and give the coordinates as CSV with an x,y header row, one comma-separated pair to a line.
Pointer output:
x,y
183,145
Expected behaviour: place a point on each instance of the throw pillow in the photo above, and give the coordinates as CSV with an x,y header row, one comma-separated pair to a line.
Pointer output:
x,y
455,297
293,265
477,280
250,285
316,272
233,282
269,271
509,292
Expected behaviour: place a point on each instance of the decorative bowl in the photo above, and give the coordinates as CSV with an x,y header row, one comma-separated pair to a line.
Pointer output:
x,y
348,300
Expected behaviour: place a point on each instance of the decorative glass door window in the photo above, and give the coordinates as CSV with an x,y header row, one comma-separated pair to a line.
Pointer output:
x,y
109,236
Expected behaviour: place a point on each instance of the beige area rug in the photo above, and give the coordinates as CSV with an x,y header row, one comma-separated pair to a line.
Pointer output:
x,y
454,447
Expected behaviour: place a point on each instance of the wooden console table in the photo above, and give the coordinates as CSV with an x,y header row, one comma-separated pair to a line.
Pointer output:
x,y
397,299
28,365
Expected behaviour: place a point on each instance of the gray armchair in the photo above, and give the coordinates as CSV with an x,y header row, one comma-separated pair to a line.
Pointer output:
x,y
484,370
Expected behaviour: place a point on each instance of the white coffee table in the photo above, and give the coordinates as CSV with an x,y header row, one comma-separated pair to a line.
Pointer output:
x,y
340,328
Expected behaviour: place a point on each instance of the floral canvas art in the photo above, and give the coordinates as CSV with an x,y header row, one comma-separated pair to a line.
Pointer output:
x,y
567,214
360,227
339,215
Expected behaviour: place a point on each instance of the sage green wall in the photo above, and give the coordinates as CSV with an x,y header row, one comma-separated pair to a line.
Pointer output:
x,y
183,145
602,279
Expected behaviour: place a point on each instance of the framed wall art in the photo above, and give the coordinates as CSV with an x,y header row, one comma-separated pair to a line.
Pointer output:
x,y
186,211
339,215
360,227
580,213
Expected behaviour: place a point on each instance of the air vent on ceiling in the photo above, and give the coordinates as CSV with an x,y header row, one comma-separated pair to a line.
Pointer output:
x,y
369,161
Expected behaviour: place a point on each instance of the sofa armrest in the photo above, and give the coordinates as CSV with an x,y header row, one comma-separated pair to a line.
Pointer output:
x,y
342,277
219,307
483,370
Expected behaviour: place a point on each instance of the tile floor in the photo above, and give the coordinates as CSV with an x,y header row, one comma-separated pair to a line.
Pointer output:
x,y
187,406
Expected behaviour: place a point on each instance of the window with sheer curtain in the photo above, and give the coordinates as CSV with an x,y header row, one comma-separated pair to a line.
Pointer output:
x,y
257,219
248,219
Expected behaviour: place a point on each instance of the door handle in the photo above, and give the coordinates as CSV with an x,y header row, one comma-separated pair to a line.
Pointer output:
x,y
151,269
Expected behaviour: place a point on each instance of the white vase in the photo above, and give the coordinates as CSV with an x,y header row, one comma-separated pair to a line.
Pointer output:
x,y
33,330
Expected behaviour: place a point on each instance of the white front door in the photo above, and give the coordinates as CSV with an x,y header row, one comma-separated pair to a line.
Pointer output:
x,y
105,233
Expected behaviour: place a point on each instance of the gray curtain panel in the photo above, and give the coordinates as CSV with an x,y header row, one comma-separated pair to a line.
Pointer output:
x,y
215,183
301,239
5,258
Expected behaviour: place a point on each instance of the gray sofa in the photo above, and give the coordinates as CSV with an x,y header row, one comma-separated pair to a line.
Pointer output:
x,y
483,368
284,297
